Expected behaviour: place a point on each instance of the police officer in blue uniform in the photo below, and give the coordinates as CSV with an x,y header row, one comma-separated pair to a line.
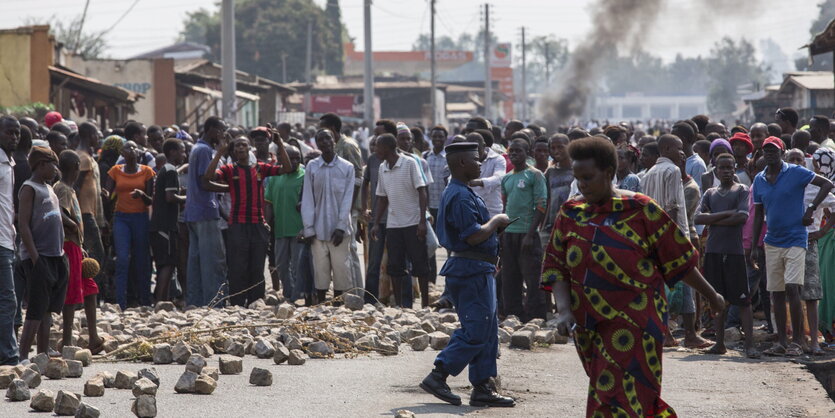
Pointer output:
x,y
466,230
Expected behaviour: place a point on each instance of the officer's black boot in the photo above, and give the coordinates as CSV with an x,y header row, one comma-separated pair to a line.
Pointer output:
x,y
435,384
484,394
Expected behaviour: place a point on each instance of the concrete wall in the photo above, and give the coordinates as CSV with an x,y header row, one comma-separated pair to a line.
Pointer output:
x,y
15,69
152,78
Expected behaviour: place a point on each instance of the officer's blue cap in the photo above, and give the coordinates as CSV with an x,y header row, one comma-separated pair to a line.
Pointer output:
x,y
461,147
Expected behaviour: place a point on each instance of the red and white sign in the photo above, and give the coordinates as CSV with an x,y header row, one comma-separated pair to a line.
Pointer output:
x,y
501,57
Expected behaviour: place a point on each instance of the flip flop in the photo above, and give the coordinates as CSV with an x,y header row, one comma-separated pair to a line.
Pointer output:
x,y
775,350
818,352
714,351
794,350
753,354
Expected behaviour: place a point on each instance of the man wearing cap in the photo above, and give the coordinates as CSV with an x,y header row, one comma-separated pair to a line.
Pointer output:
x,y
778,196
742,146
470,234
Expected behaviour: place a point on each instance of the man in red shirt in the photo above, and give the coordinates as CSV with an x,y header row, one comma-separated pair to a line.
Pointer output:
x,y
248,233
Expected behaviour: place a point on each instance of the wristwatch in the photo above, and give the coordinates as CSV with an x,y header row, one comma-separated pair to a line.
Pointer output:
x,y
811,206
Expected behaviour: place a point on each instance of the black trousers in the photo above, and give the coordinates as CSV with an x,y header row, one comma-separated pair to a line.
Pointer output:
x,y
246,254
521,271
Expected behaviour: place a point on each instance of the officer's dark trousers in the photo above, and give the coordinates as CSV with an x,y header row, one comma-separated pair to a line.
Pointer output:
x,y
521,270
476,342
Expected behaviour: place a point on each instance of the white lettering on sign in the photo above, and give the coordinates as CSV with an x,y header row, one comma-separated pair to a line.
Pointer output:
x,y
448,56
140,88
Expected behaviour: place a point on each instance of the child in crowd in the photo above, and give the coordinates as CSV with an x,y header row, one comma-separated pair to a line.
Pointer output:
x,y
724,209
812,291
166,211
42,264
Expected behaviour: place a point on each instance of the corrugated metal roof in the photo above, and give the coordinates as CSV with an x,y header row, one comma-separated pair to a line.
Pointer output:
x,y
822,81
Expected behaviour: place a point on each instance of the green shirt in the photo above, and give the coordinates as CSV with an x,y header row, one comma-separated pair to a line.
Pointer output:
x,y
524,192
284,193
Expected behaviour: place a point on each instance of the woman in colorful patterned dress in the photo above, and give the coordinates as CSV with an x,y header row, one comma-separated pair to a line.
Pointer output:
x,y
611,252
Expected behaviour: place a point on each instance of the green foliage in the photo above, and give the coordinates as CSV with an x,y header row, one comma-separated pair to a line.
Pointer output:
x,y
731,65
267,29
35,110
647,74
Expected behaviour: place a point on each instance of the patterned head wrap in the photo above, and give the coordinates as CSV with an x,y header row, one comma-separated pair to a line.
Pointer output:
x,y
113,142
402,128
825,159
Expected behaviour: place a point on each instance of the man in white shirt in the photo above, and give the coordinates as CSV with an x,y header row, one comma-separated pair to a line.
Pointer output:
x,y
493,168
662,182
401,192
9,137
327,195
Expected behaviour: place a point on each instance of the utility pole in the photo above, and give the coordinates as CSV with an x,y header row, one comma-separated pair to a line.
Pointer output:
x,y
524,81
284,68
368,92
227,48
547,63
307,64
433,120
488,83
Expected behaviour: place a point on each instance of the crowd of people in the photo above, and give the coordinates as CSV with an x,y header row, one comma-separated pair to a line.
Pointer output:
x,y
194,217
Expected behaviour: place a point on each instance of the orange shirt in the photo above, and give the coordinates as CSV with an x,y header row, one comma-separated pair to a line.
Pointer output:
x,y
125,183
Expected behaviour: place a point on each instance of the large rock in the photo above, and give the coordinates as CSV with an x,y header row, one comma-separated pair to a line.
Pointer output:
x,y
185,384
263,348
6,378
296,358
504,336
404,413
545,336
87,411
74,368
281,353
18,391
195,363
108,378
230,365
260,377
211,372
387,347
66,403
125,379
181,352
438,340
31,377
144,386
511,322
56,368
420,343
165,306
85,356
522,339
41,360
352,301
43,401
94,387
319,349
145,406
205,385
149,373
236,349
163,354
68,352
284,311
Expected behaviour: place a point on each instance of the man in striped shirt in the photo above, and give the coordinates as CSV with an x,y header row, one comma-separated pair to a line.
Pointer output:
x,y
399,187
248,234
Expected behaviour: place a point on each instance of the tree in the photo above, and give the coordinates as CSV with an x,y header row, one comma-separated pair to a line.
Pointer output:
x,y
822,62
267,29
731,65
333,61
88,44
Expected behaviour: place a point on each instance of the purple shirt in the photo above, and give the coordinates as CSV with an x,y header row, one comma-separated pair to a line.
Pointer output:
x,y
201,205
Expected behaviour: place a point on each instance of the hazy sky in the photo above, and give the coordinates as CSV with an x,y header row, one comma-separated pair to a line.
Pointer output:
x,y
397,23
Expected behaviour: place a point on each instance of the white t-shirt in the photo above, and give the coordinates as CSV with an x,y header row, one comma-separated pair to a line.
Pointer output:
x,y
400,185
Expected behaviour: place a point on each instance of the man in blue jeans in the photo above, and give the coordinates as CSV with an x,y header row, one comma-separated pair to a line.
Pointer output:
x,y
206,252
9,137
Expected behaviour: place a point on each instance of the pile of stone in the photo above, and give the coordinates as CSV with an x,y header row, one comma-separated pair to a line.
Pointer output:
x,y
272,328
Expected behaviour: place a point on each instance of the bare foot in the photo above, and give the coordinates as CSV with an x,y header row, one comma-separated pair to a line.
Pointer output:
x,y
717,349
697,342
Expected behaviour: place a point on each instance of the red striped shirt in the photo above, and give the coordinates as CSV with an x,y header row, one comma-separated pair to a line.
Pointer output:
x,y
246,188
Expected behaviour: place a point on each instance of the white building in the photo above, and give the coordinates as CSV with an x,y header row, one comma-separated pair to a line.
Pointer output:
x,y
640,107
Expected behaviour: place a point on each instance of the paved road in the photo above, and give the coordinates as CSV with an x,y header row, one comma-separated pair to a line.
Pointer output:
x,y
548,382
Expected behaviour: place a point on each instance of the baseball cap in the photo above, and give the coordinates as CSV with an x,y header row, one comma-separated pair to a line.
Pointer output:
x,y
774,141
52,118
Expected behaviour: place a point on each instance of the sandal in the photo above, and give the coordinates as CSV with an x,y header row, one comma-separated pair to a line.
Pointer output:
x,y
753,354
794,350
775,350
818,352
